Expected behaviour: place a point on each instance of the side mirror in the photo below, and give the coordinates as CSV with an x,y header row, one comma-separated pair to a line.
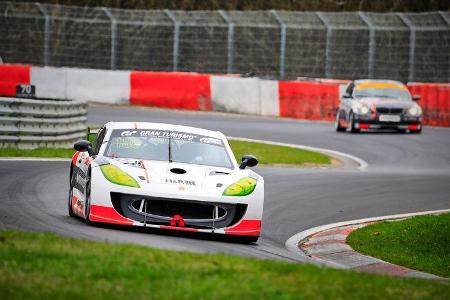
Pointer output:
x,y
416,97
248,161
347,96
84,146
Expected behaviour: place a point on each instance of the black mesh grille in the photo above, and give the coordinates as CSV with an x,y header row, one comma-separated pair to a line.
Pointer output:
x,y
160,211
387,110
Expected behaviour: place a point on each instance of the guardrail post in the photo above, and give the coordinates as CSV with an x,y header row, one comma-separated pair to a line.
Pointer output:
x,y
113,37
412,45
230,42
371,54
47,29
282,42
447,20
328,60
176,38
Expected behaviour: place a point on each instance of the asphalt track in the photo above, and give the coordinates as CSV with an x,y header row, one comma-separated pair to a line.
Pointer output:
x,y
407,173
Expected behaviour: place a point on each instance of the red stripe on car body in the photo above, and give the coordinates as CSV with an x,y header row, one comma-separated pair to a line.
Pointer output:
x,y
364,126
108,215
75,158
245,227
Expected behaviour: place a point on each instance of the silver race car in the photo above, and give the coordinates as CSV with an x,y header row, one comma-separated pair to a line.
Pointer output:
x,y
378,104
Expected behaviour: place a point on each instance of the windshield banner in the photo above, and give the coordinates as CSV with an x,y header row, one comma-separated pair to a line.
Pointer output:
x,y
165,134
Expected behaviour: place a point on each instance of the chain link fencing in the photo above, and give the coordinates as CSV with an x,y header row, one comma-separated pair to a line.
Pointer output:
x,y
271,44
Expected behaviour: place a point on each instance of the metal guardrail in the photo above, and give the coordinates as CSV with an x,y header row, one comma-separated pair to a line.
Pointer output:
x,y
29,123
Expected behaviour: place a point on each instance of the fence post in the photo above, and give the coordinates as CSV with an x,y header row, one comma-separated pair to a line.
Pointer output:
x,y
447,20
329,44
282,43
44,11
412,45
113,37
371,54
176,38
230,42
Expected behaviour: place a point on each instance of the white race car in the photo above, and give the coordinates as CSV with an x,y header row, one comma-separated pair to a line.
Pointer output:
x,y
166,176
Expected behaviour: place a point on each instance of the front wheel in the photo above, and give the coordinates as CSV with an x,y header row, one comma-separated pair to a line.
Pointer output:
x,y
351,121
70,209
87,203
337,122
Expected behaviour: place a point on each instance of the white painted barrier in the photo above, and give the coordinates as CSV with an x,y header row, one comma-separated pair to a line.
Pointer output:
x,y
98,85
244,95
50,82
81,84
268,92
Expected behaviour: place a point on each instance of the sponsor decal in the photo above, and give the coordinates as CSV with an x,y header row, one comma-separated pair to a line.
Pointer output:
x,y
380,85
128,132
180,181
210,141
159,133
165,134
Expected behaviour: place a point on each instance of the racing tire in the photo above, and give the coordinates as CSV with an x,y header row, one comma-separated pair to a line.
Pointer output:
x,y
337,123
69,206
351,121
87,204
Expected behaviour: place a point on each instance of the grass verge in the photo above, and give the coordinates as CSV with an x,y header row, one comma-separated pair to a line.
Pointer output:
x,y
39,152
46,266
273,154
421,243
266,154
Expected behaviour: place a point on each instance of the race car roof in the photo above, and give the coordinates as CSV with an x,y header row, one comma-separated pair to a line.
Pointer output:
x,y
164,126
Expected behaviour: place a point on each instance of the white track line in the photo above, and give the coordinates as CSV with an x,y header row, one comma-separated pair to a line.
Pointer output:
x,y
362,164
293,241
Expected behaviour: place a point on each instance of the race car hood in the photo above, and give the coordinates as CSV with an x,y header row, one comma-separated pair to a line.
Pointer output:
x,y
175,177
386,102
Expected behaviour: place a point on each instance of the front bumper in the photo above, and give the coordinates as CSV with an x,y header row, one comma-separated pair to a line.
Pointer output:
x,y
235,222
374,122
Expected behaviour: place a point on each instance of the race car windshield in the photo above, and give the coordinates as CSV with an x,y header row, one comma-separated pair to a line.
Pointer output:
x,y
383,93
154,145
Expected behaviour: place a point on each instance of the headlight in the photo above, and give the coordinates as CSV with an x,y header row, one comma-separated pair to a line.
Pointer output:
x,y
414,111
243,187
364,110
117,176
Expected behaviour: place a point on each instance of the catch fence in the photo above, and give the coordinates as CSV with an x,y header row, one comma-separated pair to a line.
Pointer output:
x,y
271,44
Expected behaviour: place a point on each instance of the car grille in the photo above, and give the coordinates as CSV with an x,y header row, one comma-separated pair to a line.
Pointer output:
x,y
387,110
196,214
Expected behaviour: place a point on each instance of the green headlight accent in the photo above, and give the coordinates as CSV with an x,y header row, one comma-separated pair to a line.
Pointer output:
x,y
243,187
117,176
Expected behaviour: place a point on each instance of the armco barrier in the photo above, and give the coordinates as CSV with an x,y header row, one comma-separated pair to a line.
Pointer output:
x,y
29,123
308,100
435,102
171,90
11,76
